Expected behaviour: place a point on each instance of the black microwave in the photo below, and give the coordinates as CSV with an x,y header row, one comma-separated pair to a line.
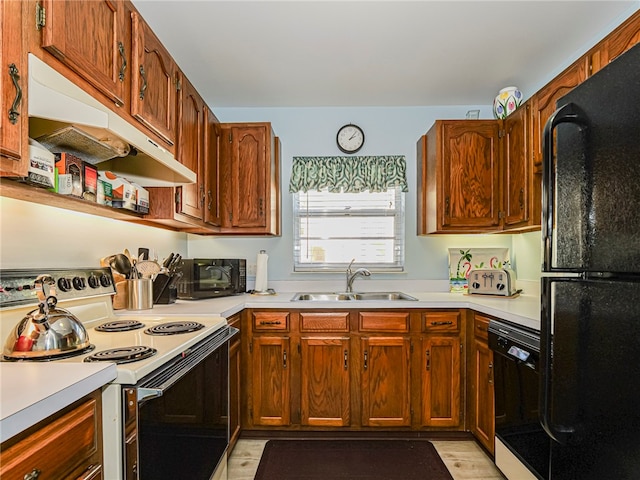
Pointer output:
x,y
212,277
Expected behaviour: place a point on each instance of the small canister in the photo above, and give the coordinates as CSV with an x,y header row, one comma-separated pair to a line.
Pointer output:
x,y
140,294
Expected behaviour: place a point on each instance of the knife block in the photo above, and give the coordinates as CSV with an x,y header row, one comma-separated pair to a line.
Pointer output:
x,y
168,295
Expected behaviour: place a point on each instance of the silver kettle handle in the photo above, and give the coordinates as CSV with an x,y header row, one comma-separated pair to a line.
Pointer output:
x,y
46,291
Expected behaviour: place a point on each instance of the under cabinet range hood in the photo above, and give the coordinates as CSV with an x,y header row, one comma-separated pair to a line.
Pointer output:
x,y
60,111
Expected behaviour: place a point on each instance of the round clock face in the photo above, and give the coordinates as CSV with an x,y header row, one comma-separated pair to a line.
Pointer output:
x,y
350,138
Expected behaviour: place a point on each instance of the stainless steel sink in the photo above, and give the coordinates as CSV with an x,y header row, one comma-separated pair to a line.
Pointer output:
x,y
362,296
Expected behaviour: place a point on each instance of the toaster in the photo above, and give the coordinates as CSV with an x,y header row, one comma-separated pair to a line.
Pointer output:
x,y
492,281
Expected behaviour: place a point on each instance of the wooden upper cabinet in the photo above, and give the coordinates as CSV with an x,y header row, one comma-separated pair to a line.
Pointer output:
x,y
190,148
619,41
462,176
14,159
153,81
250,179
543,104
89,37
211,162
517,167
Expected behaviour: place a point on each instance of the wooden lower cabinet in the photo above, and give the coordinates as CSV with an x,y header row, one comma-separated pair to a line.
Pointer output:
x,y
386,381
66,445
481,397
325,397
235,392
352,370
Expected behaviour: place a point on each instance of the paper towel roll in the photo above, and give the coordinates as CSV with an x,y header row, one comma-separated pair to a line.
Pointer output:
x,y
261,272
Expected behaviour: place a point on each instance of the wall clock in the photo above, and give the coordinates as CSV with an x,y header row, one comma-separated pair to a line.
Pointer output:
x,y
350,138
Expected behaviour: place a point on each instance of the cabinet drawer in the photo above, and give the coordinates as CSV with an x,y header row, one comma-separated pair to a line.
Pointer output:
x,y
384,321
481,327
57,449
324,322
267,321
441,322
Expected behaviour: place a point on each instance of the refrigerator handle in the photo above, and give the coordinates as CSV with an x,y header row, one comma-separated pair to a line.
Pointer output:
x,y
560,433
568,113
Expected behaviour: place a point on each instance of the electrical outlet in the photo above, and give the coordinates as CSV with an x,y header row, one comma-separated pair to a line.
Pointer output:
x,y
251,269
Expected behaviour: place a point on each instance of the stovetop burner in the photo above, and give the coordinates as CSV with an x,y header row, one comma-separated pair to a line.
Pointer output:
x,y
122,354
119,326
173,328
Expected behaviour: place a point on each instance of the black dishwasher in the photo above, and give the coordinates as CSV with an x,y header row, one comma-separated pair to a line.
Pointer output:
x,y
516,355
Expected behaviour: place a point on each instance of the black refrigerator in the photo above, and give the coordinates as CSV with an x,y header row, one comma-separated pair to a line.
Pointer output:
x,y
590,323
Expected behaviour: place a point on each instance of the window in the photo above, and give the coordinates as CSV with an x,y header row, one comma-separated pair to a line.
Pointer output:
x,y
331,229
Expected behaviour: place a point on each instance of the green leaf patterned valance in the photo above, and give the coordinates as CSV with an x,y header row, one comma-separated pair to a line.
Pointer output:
x,y
348,174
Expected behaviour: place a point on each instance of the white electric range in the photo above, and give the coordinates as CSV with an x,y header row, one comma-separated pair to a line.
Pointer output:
x,y
162,364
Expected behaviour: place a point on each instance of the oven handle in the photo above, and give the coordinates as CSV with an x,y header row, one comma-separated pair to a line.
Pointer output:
x,y
156,386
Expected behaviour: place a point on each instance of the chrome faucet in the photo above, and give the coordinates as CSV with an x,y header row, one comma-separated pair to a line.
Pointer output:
x,y
352,276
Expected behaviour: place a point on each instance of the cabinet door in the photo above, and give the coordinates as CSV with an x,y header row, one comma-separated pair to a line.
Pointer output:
x,y
270,377
153,82
441,394
250,169
470,159
483,425
325,396
13,83
211,163
544,104
89,37
616,43
189,148
234,385
516,168
386,382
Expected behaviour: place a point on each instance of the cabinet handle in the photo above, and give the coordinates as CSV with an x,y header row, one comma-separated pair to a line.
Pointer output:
x,y
261,207
143,89
123,66
428,360
446,207
202,196
272,322
15,77
346,356
522,199
491,373
366,359
447,322
284,359
35,473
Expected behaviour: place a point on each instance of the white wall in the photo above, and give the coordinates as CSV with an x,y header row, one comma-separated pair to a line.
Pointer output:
x,y
33,236
388,131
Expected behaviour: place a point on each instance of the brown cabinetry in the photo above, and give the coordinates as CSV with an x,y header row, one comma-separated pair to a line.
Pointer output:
x,y
235,392
475,176
66,445
355,370
100,58
441,369
250,176
154,82
269,352
619,41
481,399
14,159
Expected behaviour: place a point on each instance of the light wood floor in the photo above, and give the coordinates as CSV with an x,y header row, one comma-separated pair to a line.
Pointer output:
x,y
464,459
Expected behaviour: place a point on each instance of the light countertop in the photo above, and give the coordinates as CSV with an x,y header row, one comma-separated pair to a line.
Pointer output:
x,y
31,391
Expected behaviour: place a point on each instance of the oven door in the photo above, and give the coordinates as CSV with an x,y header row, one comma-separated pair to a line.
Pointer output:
x,y
182,414
516,354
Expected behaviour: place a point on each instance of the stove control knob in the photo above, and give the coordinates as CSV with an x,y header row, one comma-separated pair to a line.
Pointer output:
x,y
93,281
64,284
79,283
105,280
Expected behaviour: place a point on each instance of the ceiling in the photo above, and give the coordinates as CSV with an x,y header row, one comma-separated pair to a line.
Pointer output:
x,y
374,53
